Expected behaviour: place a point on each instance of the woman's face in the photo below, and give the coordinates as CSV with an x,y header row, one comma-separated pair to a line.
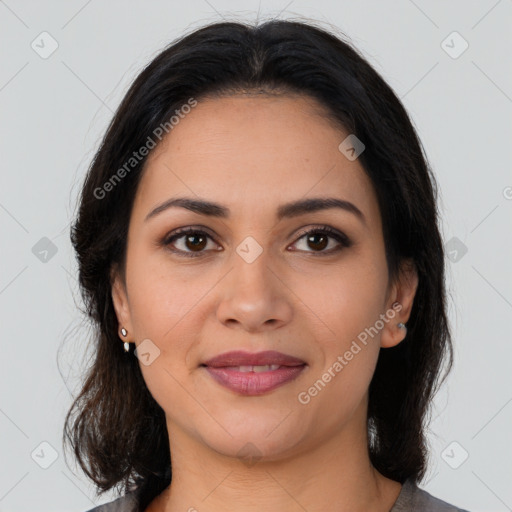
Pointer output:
x,y
251,279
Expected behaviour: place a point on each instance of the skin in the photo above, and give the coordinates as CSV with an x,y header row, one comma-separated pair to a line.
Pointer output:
x,y
252,154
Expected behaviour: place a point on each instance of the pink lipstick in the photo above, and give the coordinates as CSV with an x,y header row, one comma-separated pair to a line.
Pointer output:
x,y
254,373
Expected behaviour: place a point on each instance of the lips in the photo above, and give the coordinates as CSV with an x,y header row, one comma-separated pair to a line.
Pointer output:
x,y
240,358
254,374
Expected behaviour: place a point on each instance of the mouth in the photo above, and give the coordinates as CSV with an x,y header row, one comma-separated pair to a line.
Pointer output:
x,y
254,374
239,358
252,368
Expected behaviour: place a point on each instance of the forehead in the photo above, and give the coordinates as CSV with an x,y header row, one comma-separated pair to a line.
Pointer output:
x,y
247,151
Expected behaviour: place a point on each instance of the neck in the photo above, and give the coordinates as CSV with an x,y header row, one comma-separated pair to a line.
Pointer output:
x,y
333,475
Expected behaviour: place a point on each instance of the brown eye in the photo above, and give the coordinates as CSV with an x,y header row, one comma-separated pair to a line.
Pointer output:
x,y
318,239
195,242
188,242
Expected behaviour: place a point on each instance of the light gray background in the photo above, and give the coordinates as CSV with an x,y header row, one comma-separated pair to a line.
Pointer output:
x,y
54,110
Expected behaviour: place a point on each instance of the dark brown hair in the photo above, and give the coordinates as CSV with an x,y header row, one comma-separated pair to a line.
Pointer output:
x,y
116,429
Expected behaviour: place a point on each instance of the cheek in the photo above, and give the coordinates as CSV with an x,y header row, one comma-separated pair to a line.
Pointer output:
x,y
346,299
168,308
166,311
160,297
345,307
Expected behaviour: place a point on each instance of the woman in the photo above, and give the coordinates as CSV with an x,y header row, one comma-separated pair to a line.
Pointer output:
x,y
259,251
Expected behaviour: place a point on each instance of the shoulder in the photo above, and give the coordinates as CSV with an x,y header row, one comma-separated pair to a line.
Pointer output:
x,y
126,503
412,498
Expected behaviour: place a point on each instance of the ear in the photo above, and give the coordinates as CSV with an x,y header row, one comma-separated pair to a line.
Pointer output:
x,y
120,301
401,296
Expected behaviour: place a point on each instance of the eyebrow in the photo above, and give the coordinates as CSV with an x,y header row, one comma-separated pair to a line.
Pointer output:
x,y
287,210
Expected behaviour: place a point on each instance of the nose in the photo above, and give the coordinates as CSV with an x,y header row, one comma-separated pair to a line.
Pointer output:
x,y
254,297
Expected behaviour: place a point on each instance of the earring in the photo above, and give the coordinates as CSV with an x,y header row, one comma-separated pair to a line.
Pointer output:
x,y
402,326
124,332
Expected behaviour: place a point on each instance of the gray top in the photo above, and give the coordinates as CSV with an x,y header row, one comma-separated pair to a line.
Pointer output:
x,y
410,499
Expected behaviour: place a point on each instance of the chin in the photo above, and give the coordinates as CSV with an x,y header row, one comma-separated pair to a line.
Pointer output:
x,y
251,449
255,439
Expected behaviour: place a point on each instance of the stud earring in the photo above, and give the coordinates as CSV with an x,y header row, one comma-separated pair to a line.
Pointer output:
x,y
124,332
402,326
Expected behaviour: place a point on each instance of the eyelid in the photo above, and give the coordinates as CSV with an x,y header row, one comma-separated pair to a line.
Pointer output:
x,y
180,232
333,232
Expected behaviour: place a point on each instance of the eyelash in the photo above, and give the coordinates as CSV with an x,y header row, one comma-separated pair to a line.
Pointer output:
x,y
341,238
